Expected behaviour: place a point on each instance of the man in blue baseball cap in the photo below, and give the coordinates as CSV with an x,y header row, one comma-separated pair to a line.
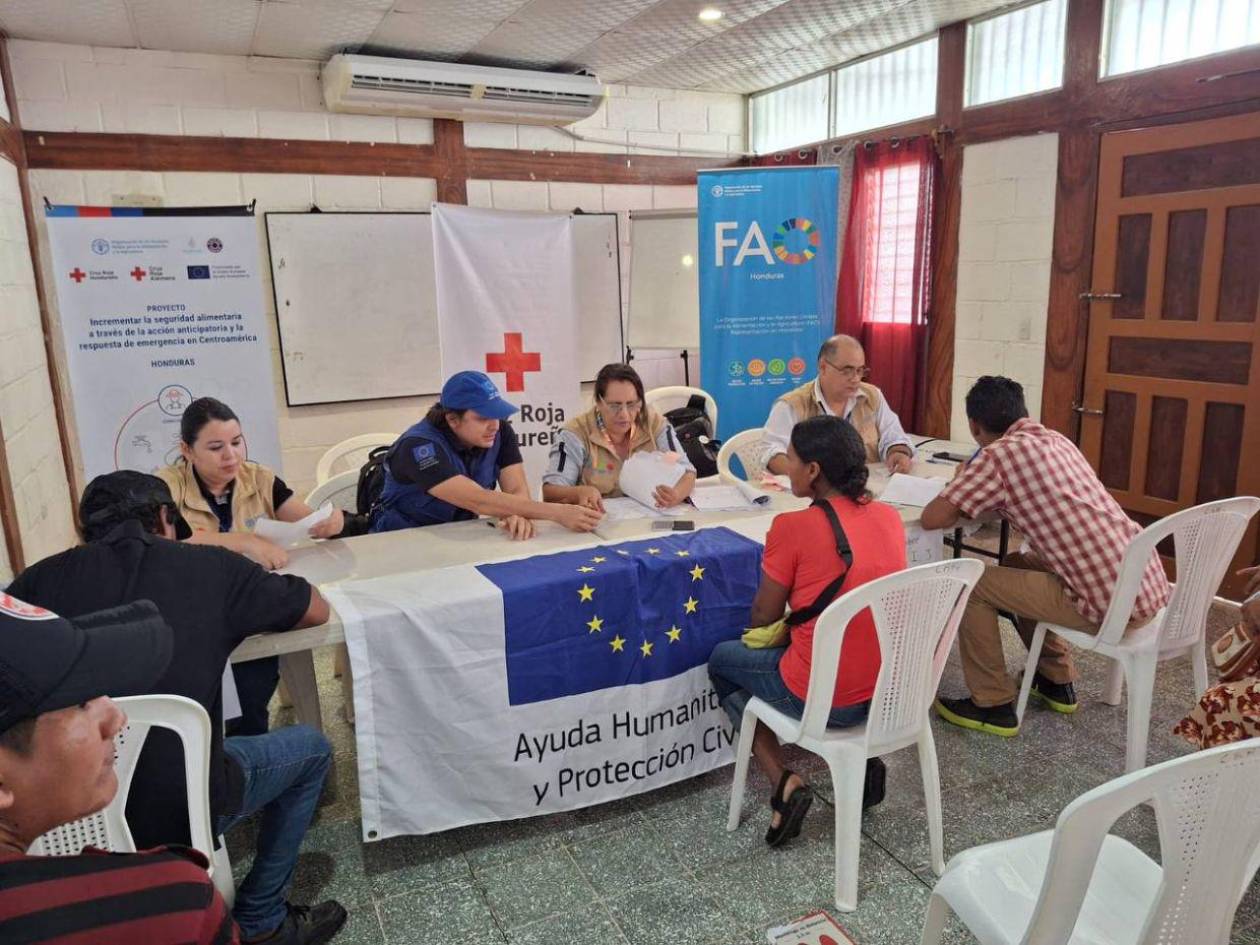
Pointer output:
x,y
445,468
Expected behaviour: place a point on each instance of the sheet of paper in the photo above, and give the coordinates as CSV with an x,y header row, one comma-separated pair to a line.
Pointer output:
x,y
911,490
642,473
624,508
723,497
288,534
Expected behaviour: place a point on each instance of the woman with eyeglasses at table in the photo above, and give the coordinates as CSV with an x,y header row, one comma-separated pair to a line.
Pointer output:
x,y
840,390
585,463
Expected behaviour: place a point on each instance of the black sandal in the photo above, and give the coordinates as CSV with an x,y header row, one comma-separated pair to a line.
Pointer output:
x,y
791,811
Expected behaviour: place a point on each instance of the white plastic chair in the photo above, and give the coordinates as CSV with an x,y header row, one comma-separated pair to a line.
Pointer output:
x,y
351,453
342,490
108,830
665,399
916,618
1080,885
747,445
1205,538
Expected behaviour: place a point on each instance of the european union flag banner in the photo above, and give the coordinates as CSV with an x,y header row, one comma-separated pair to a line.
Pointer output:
x,y
768,257
544,683
624,614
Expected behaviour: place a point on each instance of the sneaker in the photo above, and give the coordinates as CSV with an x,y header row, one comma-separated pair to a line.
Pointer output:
x,y
1061,697
307,925
996,720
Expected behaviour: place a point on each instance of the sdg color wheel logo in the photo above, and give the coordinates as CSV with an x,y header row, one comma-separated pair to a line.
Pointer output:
x,y
796,231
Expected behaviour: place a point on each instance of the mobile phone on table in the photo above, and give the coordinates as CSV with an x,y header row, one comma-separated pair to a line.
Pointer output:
x,y
673,525
952,457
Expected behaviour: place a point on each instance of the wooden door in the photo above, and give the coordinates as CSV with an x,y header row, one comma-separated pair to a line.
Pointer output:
x,y
1171,406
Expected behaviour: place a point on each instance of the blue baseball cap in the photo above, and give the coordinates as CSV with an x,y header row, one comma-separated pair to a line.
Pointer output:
x,y
472,390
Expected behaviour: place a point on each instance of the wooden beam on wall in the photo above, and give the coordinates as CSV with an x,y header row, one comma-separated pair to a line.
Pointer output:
x,y
939,386
17,141
448,161
452,159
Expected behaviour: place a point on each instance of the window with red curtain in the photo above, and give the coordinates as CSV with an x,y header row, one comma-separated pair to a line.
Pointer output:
x,y
884,292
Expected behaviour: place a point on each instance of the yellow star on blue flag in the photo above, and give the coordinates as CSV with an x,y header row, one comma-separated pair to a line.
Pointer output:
x,y
689,605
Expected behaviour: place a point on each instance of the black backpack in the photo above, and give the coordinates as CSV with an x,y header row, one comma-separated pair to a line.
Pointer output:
x,y
695,434
371,480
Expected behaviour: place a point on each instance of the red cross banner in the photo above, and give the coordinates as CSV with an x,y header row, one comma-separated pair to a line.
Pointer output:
x,y
155,309
507,306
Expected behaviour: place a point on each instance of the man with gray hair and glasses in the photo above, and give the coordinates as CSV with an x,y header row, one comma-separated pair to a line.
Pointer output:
x,y
840,390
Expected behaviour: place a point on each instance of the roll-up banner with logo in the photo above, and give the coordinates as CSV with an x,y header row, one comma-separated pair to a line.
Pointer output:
x,y
767,284
158,307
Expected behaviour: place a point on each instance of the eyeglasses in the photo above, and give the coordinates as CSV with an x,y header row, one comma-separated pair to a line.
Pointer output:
x,y
630,406
850,371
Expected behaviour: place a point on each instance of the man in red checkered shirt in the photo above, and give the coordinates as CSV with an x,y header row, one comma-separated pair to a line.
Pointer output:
x,y
1037,480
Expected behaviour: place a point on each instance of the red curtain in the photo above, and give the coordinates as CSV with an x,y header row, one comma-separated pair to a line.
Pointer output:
x,y
884,293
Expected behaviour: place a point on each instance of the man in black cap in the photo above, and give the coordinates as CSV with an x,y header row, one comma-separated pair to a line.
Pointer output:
x,y
213,599
57,728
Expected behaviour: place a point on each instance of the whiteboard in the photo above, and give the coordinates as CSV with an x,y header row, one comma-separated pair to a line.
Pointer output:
x,y
664,280
356,303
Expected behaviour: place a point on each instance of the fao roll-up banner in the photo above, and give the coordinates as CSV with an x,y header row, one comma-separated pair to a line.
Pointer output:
x,y
159,307
767,284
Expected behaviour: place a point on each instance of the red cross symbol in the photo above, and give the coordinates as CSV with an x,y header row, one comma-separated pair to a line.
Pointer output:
x,y
514,361
138,274
78,275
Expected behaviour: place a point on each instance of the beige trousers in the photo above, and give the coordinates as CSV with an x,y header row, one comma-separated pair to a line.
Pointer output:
x,y
1022,586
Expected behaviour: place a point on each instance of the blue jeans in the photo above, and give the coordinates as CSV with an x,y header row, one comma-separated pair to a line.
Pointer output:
x,y
739,672
284,774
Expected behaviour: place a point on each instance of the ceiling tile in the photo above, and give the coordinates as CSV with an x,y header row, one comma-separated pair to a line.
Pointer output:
x,y
85,22
206,26
314,30
427,36
756,44
473,9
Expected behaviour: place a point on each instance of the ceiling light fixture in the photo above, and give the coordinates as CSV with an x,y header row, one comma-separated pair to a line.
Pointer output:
x,y
710,15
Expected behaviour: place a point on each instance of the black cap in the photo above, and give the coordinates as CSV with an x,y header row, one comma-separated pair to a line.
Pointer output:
x,y
49,663
119,496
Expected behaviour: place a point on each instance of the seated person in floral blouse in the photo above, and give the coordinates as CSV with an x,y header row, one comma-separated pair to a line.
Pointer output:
x,y
1230,712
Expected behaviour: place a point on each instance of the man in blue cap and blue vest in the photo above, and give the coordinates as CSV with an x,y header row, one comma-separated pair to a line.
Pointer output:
x,y
445,468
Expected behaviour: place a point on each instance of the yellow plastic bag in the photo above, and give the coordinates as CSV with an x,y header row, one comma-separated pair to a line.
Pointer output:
x,y
769,636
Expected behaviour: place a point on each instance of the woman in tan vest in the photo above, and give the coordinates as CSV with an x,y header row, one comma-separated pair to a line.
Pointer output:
x,y
221,494
585,462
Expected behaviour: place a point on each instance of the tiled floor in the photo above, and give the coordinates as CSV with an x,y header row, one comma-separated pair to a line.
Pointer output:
x,y
660,868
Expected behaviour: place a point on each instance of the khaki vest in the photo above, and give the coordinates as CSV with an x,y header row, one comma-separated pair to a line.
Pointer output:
x,y
805,405
602,468
251,496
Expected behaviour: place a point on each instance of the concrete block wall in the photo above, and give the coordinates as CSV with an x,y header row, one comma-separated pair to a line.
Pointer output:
x,y
79,88
27,416
634,120
1005,238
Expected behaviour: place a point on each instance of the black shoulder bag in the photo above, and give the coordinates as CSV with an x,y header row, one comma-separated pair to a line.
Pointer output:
x,y
828,593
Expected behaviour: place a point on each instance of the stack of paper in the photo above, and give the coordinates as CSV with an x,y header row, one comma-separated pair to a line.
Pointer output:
x,y
739,495
643,473
288,534
911,490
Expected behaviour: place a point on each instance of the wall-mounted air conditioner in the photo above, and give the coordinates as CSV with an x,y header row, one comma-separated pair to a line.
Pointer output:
x,y
376,85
